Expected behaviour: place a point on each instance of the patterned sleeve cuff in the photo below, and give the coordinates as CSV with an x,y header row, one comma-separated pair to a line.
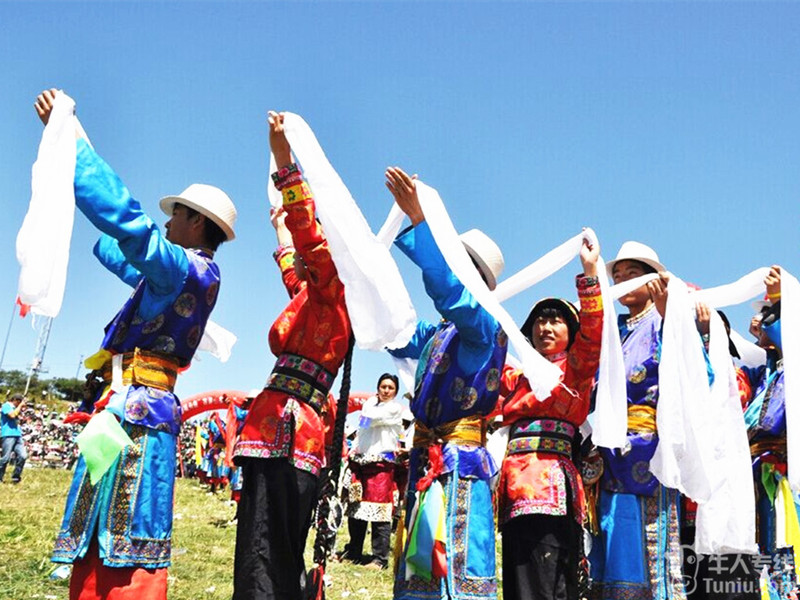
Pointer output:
x,y
295,191
287,176
589,294
284,256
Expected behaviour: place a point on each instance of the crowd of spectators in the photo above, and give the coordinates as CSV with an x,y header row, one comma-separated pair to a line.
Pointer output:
x,y
49,442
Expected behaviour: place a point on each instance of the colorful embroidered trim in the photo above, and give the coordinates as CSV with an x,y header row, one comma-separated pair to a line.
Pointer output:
x,y
298,192
142,367
284,172
303,379
541,435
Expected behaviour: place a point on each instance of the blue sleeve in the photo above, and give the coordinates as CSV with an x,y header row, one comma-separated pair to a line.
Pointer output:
x,y
774,333
413,349
754,374
476,327
709,369
111,257
107,203
7,408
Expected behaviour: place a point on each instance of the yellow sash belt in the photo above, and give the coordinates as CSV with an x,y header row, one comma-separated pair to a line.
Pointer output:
x,y
641,418
469,430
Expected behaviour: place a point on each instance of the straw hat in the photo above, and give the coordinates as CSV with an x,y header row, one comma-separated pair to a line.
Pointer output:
x,y
209,201
636,251
485,253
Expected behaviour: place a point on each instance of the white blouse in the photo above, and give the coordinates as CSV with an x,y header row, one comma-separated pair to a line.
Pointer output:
x,y
379,428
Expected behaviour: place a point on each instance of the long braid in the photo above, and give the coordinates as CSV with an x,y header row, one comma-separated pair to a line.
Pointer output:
x,y
326,535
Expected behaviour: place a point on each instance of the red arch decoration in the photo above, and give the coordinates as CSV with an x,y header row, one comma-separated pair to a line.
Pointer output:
x,y
220,399
213,400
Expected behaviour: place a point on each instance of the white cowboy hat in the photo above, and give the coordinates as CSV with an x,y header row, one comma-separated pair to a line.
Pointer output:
x,y
485,253
209,201
636,251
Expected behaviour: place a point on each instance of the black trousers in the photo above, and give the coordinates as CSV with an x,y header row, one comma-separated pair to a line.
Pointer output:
x,y
540,558
274,517
381,533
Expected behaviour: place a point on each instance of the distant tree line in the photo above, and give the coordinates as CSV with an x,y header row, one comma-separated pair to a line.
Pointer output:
x,y
45,391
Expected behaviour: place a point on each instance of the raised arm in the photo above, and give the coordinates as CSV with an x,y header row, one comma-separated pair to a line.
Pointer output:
x,y
584,354
454,302
284,254
316,265
107,203
111,257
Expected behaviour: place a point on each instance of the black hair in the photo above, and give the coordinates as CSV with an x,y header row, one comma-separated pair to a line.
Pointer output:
x,y
645,267
329,478
552,308
551,312
734,352
392,377
212,233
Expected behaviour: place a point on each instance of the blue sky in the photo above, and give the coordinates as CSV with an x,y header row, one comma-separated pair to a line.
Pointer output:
x,y
675,124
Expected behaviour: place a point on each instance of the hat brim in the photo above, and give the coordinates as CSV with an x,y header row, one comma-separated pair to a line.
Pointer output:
x,y
168,202
649,262
483,267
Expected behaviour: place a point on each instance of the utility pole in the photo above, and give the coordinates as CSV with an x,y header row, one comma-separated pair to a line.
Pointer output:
x,y
41,346
8,333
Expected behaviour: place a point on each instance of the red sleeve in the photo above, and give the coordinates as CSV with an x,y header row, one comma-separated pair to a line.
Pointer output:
x,y
509,380
284,257
584,354
745,389
354,404
309,242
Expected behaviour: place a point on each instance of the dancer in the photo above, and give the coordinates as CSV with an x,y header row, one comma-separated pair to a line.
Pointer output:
x,y
117,530
282,445
637,555
765,417
458,382
541,497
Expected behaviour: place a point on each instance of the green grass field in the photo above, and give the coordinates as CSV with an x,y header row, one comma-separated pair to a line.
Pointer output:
x,y
202,555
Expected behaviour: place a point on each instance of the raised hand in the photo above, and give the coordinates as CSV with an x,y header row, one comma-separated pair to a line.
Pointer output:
x,y
277,140
702,318
404,190
44,104
658,292
277,216
590,253
773,283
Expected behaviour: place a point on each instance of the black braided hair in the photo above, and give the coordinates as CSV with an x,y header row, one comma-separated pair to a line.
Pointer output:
x,y
323,543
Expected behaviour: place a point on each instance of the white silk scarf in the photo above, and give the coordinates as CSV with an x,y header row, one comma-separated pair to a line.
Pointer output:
x,y
43,240
703,447
378,303
726,521
610,417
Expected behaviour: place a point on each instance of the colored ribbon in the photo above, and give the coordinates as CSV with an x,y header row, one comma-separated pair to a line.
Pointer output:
x,y
101,442
426,555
